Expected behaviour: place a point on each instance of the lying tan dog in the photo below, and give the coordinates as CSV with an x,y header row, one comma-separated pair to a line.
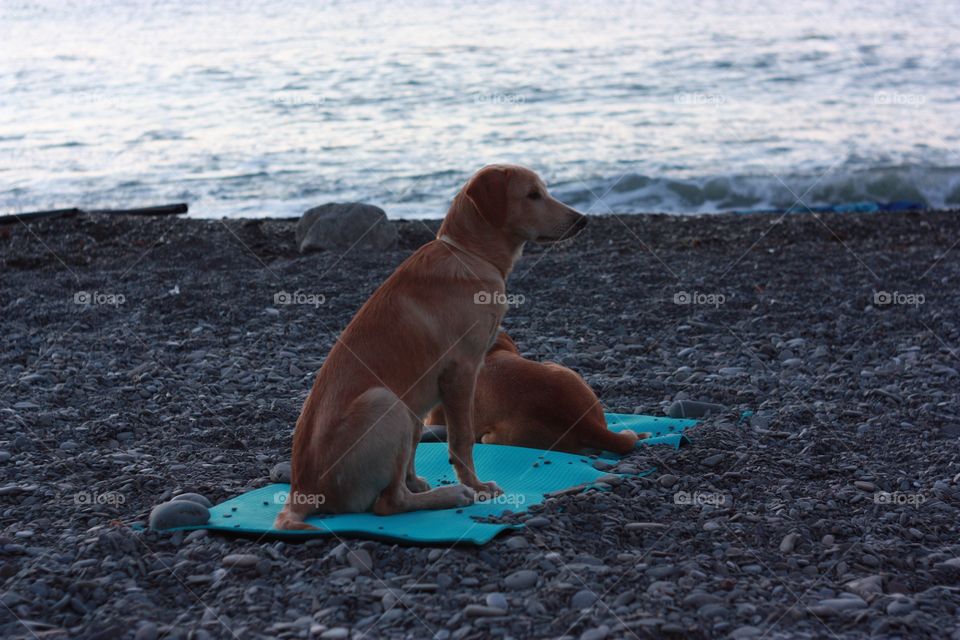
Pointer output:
x,y
537,404
418,341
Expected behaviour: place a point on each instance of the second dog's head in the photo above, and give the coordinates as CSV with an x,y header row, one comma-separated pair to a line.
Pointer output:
x,y
514,201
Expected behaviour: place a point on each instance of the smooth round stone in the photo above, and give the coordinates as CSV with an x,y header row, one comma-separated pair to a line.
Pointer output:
x,y
523,579
699,599
517,542
713,460
337,633
240,560
713,611
195,497
497,600
729,372
146,631
789,542
667,480
598,633
844,604
178,513
583,599
360,560
899,607
281,473
537,521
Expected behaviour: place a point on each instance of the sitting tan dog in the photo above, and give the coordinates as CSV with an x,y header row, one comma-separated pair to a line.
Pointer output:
x,y
418,341
542,405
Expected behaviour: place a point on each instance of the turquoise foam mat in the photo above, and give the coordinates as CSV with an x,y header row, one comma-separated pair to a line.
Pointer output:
x,y
525,475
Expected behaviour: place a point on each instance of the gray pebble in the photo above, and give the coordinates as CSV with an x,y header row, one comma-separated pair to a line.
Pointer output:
x,y
178,513
789,542
146,631
360,560
583,599
482,611
497,600
667,480
746,631
597,633
899,607
280,472
844,604
195,497
517,542
522,579
714,460
698,599
240,560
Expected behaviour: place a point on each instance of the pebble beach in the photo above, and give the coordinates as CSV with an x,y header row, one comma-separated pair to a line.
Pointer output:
x,y
142,358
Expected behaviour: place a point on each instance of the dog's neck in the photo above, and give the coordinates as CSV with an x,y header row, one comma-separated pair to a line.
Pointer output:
x,y
502,263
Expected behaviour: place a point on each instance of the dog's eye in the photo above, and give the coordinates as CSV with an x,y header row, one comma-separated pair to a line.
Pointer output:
x,y
534,195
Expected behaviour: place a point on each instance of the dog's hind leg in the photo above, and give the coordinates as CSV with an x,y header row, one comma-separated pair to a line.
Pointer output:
x,y
407,491
370,468
415,483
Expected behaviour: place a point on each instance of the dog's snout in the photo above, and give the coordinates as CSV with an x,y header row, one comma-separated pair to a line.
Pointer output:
x,y
580,223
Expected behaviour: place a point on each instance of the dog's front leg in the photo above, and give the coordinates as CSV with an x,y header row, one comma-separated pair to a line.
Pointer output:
x,y
457,386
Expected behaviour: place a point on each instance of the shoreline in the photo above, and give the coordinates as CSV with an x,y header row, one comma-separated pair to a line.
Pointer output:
x,y
193,380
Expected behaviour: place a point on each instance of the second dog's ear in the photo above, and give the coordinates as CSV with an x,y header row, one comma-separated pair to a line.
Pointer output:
x,y
488,193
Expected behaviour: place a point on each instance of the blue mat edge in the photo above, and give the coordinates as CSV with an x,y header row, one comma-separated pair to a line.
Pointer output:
x,y
486,531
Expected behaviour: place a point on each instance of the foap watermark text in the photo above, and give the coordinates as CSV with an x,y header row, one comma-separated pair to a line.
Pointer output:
x,y
99,298
498,297
884,298
299,297
699,498
699,298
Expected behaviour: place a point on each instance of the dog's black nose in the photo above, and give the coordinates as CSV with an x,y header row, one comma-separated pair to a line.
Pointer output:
x,y
580,223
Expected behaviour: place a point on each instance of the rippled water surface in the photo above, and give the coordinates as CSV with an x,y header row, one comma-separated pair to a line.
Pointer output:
x,y
264,109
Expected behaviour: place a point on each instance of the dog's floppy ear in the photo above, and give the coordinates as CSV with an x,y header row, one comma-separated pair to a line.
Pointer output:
x,y
488,193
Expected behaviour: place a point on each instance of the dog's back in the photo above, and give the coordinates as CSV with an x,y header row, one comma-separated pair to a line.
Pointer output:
x,y
543,405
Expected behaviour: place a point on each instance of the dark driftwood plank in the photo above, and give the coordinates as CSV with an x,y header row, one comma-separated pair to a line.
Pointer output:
x,y
162,210
36,215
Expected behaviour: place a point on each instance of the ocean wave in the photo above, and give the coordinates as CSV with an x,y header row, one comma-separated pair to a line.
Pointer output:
x,y
926,187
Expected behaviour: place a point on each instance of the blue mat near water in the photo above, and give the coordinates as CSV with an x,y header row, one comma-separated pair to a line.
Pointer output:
x,y
525,475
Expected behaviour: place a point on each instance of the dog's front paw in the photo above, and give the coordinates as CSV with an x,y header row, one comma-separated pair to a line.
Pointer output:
x,y
636,436
464,495
487,491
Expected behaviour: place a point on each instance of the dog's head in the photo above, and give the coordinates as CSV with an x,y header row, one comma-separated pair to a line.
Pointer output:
x,y
515,200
